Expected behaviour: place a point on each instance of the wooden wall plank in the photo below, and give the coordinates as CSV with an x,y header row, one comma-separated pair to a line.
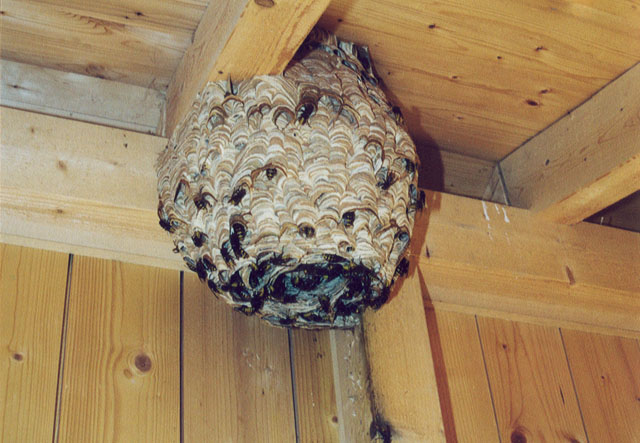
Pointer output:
x,y
530,381
239,39
122,362
606,372
32,298
402,371
481,78
351,383
81,97
57,37
314,381
584,162
236,373
464,376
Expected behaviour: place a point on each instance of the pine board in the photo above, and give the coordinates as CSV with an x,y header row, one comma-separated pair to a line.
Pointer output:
x,y
236,373
314,382
461,373
122,354
32,298
531,384
606,372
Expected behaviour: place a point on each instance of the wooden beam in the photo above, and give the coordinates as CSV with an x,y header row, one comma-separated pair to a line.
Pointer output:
x,y
584,162
89,189
240,39
81,97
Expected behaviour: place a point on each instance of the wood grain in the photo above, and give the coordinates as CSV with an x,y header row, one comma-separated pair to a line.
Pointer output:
x,y
351,384
480,257
122,360
58,37
462,371
402,372
482,78
454,173
239,39
167,15
606,372
79,199
32,298
91,188
318,418
237,374
81,97
586,161
532,390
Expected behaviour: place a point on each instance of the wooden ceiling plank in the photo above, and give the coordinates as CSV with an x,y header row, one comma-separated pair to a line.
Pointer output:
x,y
239,39
66,185
508,69
56,37
585,161
166,15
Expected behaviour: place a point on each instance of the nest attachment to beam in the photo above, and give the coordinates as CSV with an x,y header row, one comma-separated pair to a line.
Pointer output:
x,y
293,196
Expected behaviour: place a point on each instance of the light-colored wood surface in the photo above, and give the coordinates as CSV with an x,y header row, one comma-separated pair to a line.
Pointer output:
x,y
237,374
318,418
81,97
128,312
479,257
606,372
80,187
122,354
455,173
478,79
166,16
586,161
401,365
481,78
351,384
532,389
239,39
60,37
495,190
79,199
463,376
32,298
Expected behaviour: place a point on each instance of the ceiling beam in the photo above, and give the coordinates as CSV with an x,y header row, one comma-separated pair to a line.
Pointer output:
x,y
239,39
89,189
585,161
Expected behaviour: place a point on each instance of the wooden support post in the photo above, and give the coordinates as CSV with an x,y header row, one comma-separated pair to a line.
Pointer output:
x,y
584,162
239,39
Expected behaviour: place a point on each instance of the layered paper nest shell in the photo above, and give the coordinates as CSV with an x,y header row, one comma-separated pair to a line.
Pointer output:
x,y
293,196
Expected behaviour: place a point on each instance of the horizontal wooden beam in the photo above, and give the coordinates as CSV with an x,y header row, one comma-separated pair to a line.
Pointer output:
x,y
91,190
239,39
81,97
584,162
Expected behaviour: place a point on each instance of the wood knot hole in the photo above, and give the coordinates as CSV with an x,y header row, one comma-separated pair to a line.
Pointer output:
x,y
143,362
334,419
17,356
518,437
265,3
